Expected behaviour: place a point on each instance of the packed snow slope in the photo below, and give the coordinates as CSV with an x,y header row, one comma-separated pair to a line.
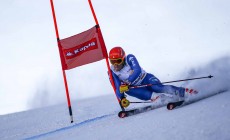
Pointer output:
x,y
96,119
207,118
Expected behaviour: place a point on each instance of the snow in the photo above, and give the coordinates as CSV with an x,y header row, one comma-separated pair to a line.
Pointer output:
x,y
96,118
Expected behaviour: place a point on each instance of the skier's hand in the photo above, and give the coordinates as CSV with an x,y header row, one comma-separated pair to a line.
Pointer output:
x,y
124,88
124,102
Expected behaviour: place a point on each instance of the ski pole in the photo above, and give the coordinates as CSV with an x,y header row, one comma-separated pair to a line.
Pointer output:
x,y
142,102
140,86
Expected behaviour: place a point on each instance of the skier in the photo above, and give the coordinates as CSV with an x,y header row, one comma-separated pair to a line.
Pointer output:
x,y
127,72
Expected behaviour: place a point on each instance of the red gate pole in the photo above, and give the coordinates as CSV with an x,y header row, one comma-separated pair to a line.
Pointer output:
x,y
61,57
107,61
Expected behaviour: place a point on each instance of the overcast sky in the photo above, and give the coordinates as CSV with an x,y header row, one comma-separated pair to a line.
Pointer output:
x,y
168,37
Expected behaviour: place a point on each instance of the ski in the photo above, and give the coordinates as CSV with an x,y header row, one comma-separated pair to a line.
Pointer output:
x,y
127,113
172,105
123,114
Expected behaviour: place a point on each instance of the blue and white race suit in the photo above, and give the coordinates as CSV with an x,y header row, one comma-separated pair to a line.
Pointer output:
x,y
132,74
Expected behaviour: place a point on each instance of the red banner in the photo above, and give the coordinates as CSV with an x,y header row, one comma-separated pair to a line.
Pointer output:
x,y
83,48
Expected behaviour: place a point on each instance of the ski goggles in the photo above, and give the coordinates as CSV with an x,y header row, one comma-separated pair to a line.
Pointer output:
x,y
117,61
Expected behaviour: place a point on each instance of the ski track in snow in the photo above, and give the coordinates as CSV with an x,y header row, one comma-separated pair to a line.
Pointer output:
x,y
69,127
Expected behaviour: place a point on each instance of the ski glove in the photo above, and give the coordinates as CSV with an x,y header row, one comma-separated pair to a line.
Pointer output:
x,y
124,88
124,102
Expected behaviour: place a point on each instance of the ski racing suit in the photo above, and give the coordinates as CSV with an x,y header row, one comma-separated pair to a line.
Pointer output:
x,y
133,75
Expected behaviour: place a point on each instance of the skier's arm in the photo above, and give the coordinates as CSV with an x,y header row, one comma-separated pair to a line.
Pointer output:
x,y
117,83
133,63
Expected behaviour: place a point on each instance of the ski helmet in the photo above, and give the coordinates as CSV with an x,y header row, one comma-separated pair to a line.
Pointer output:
x,y
116,52
116,55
